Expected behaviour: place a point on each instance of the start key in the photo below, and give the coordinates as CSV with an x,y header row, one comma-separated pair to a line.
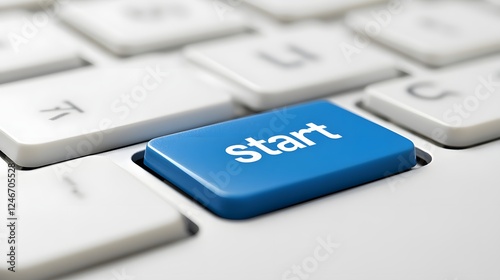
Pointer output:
x,y
250,166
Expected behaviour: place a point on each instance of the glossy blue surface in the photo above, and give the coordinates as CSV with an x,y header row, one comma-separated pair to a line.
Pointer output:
x,y
307,151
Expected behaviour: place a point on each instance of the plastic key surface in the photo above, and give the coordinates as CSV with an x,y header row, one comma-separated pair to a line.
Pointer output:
x,y
77,214
457,106
129,27
300,9
250,166
47,50
9,4
69,115
433,32
307,57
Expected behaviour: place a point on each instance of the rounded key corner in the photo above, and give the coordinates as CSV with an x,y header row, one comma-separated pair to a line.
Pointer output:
x,y
192,227
454,137
152,145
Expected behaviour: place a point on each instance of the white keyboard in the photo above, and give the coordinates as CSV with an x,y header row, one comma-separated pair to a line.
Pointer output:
x,y
86,84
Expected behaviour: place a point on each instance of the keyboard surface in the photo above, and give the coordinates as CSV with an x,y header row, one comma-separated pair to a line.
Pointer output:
x,y
168,139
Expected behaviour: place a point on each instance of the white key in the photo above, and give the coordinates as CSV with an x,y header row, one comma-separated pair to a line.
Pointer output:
x,y
288,10
30,46
128,27
458,107
494,2
65,116
298,64
433,32
23,3
84,212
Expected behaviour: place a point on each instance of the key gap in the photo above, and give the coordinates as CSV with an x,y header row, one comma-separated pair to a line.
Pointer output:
x,y
423,158
82,63
101,46
395,50
207,73
79,157
138,158
326,17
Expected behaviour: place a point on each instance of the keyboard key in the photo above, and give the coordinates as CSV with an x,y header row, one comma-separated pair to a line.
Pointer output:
x,y
494,2
30,47
288,10
71,115
73,215
457,107
433,32
129,27
254,165
4,4
301,63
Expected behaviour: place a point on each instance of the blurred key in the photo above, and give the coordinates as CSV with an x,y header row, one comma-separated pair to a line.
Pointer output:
x,y
76,214
288,10
494,2
434,32
129,27
458,107
298,64
31,45
91,110
24,3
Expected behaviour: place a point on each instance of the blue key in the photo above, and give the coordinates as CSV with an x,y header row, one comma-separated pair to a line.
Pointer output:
x,y
254,165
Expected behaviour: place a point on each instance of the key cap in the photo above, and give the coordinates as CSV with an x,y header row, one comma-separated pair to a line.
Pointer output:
x,y
96,109
76,214
433,32
288,10
30,46
494,2
4,4
298,64
457,107
129,27
247,167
